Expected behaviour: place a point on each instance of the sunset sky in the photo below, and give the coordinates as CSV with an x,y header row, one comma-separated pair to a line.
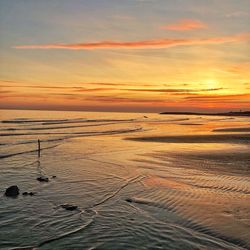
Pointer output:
x,y
125,55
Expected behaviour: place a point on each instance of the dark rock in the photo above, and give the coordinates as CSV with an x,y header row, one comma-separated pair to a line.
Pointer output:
x,y
12,191
129,200
69,207
28,193
42,179
54,176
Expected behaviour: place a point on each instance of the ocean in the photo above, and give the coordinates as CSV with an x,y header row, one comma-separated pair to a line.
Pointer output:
x,y
139,181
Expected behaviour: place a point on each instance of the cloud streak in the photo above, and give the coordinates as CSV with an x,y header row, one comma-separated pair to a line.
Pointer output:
x,y
174,90
238,98
185,25
16,84
144,44
113,87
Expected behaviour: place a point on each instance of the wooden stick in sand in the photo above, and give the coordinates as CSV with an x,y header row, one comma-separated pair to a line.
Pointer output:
x,y
39,148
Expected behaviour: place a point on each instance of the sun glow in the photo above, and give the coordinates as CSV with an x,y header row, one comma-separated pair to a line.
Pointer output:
x,y
211,83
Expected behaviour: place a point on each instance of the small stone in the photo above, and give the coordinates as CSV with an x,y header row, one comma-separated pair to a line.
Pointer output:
x,y
54,176
42,179
69,207
28,193
129,200
12,191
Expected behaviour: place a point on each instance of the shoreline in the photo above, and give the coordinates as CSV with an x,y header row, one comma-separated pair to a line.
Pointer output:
x,y
244,113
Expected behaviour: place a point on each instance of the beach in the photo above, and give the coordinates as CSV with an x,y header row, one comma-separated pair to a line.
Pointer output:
x,y
139,181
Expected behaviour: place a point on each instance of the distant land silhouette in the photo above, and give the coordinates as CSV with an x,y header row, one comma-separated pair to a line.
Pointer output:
x,y
243,113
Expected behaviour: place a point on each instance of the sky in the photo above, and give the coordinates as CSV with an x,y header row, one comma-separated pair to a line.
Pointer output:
x,y
125,55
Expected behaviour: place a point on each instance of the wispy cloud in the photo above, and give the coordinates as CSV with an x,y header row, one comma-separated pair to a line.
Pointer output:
x,y
114,99
76,86
237,14
144,44
95,89
206,98
123,17
185,25
4,92
240,68
174,90
112,87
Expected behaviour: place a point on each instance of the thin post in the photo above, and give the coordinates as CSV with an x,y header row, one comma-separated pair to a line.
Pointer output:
x,y
39,148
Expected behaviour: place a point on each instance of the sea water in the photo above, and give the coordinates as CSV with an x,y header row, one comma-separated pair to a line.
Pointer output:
x,y
140,181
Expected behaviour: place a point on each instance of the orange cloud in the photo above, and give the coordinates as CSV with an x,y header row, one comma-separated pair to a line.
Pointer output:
x,y
184,25
145,44
220,97
174,90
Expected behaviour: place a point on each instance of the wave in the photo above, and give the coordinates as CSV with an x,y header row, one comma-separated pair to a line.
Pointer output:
x,y
91,133
222,119
166,120
58,127
25,152
191,124
67,234
60,121
89,120
26,120
71,136
83,226
33,141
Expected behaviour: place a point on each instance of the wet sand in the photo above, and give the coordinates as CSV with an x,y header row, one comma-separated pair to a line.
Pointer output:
x,y
211,138
137,183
